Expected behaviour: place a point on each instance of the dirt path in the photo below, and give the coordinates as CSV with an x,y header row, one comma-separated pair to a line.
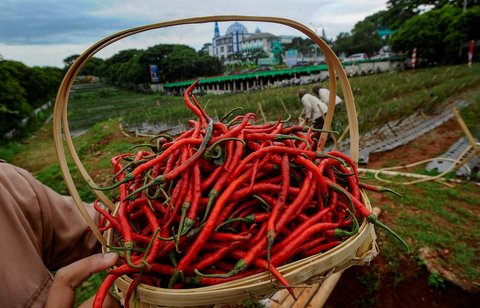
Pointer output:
x,y
430,145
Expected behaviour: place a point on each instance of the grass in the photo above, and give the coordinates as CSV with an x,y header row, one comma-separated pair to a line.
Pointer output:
x,y
427,215
8,152
379,98
89,287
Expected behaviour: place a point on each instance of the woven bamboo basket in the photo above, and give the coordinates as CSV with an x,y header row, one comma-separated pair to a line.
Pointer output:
x,y
357,250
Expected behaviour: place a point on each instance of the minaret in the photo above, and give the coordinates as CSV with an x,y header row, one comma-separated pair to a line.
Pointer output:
x,y
216,35
324,35
216,32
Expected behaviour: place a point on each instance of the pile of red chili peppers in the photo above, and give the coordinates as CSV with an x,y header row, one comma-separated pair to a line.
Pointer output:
x,y
226,200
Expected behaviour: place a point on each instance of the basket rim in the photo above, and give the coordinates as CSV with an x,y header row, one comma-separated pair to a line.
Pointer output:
x,y
60,118
60,124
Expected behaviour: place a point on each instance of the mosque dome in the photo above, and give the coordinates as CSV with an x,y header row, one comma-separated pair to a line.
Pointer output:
x,y
236,27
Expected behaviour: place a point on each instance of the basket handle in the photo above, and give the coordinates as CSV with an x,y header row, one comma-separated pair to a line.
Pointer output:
x,y
60,119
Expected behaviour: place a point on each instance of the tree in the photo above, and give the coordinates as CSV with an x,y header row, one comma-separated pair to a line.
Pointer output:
x,y
93,67
303,46
364,38
22,89
438,34
464,27
399,11
128,68
13,105
68,61
38,83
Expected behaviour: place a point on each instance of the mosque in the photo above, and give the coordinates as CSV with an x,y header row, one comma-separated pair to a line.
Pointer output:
x,y
239,44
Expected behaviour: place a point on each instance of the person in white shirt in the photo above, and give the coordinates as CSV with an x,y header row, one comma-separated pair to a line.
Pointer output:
x,y
324,95
313,109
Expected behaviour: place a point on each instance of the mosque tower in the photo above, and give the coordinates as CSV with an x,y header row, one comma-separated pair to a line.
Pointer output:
x,y
216,32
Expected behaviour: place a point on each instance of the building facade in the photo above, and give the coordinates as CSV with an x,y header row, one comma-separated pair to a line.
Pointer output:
x,y
238,45
258,42
227,47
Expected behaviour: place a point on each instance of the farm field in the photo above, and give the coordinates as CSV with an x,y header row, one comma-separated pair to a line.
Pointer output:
x,y
432,217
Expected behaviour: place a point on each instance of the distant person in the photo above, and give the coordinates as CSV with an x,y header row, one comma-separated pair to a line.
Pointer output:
x,y
313,110
324,94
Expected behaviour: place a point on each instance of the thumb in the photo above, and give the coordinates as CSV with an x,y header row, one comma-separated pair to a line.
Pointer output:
x,y
68,278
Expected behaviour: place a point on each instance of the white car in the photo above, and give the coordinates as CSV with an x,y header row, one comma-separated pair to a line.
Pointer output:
x,y
356,57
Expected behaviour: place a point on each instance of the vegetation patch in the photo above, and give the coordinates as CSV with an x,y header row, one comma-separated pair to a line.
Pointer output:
x,y
429,214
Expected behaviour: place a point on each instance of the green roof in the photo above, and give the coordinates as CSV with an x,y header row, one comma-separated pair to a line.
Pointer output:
x,y
273,73
384,32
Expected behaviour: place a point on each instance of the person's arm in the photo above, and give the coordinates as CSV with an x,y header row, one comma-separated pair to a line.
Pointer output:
x,y
66,237
42,230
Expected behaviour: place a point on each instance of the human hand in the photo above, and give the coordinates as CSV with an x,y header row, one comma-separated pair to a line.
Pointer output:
x,y
68,278
301,121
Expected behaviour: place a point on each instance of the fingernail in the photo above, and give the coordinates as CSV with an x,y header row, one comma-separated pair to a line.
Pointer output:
x,y
110,257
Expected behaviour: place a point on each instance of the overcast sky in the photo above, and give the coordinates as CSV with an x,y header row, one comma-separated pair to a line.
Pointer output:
x,y
44,32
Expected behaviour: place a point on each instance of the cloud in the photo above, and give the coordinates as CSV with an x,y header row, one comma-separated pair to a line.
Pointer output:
x,y
54,22
73,25
41,55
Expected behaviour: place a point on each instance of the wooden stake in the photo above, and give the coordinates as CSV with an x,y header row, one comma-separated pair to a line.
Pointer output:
x,y
465,129
284,106
262,113
470,138
325,290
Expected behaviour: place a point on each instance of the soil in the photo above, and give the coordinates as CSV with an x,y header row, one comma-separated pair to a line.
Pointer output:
x,y
376,285
430,145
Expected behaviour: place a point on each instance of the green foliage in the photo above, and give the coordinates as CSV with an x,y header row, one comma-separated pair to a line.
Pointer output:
x,y
439,34
250,303
471,116
436,280
94,67
379,98
362,39
52,177
428,215
370,280
399,11
22,89
89,287
303,46
13,104
129,68
68,61
8,151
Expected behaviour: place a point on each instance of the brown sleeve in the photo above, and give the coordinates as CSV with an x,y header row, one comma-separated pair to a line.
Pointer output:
x,y
40,231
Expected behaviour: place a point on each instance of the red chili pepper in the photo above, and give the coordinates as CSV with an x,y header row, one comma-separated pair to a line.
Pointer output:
x,y
229,200
210,223
282,197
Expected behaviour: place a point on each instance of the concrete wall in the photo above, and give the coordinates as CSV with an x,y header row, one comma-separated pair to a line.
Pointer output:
x,y
364,68
352,69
